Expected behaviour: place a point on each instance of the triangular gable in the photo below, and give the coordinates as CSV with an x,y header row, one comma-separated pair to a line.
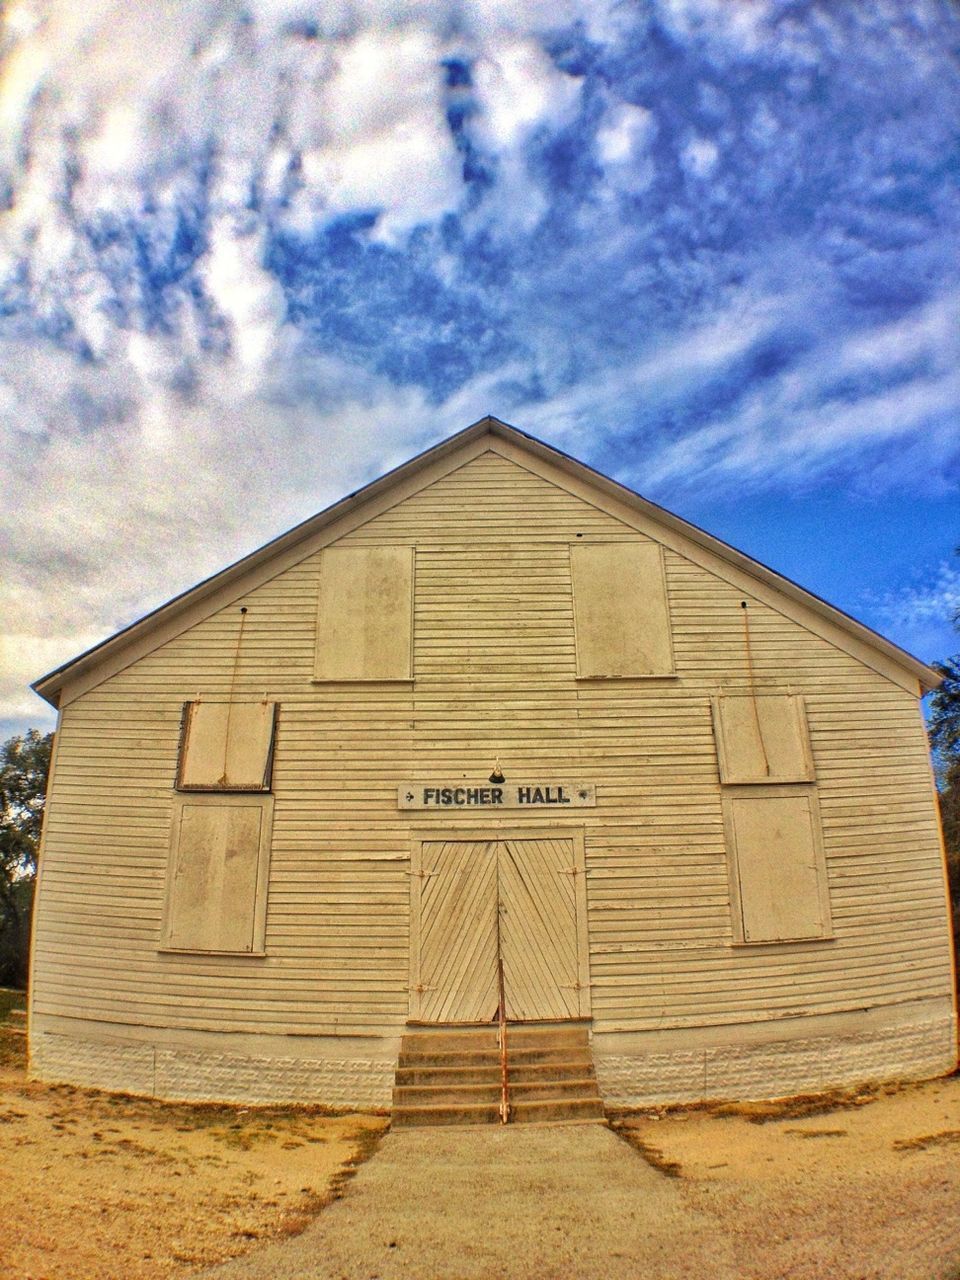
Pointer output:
x,y
90,668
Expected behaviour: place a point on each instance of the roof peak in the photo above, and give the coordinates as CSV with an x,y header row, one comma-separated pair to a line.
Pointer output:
x,y
230,583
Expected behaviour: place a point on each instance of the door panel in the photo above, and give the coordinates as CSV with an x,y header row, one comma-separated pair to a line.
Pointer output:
x,y
538,929
525,896
455,970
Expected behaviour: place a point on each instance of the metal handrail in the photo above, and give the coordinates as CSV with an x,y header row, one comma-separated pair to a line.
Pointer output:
x,y
502,1037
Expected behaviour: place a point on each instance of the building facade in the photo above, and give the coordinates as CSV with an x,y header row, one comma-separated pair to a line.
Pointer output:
x,y
492,709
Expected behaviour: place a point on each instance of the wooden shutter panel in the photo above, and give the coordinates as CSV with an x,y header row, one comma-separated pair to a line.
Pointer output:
x,y
762,739
217,882
365,614
778,875
227,746
620,609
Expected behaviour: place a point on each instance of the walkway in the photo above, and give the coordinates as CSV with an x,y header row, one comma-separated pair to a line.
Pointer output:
x,y
540,1202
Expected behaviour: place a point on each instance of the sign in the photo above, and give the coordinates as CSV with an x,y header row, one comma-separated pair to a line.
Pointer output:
x,y
501,795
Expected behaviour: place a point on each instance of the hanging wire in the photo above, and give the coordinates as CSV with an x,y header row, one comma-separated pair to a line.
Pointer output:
x,y
753,685
233,690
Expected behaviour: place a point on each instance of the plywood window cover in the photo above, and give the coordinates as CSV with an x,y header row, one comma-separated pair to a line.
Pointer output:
x,y
217,800
264,784
726,749
730,795
324,678
669,671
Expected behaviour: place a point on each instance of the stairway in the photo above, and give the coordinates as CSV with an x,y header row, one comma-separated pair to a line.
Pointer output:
x,y
451,1075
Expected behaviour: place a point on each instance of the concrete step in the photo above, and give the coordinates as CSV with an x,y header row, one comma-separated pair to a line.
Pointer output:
x,y
550,1090
517,1055
451,1075
482,1058
445,1095
533,1072
450,1039
531,1056
489,1073
566,1109
444,1075
535,1035
408,1117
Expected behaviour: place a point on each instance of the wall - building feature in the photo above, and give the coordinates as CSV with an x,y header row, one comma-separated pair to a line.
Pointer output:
x,y
492,713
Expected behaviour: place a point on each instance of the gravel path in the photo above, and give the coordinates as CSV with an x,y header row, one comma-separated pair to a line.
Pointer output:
x,y
869,1191
544,1202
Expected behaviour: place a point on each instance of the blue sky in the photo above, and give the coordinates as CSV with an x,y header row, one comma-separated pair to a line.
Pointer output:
x,y
253,254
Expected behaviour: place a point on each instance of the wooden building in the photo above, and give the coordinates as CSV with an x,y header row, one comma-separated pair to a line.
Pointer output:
x,y
494,708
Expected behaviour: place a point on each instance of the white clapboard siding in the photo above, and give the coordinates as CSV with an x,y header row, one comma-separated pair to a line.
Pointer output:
x,y
495,677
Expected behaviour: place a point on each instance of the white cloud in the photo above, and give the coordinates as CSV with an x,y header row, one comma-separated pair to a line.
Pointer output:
x,y
182,442
624,140
919,614
519,90
699,157
24,657
99,97
375,134
935,600
744,23
664,370
245,294
796,425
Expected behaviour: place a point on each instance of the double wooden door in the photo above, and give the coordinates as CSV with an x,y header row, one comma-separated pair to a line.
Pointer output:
x,y
478,901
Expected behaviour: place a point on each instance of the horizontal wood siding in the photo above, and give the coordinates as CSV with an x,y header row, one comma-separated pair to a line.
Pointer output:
x,y
495,676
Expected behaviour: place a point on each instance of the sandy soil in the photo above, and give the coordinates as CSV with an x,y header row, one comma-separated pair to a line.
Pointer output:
x,y
866,1186
859,1187
98,1187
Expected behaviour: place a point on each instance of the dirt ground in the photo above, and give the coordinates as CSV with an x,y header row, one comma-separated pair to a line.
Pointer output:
x,y
99,1187
869,1190
864,1186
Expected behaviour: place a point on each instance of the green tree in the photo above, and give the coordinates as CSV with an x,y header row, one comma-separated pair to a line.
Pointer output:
x,y
24,764
945,714
944,725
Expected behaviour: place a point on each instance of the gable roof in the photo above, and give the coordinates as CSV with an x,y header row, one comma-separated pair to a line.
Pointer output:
x,y
89,668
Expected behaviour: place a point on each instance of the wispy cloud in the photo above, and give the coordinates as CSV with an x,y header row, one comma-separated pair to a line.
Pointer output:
x,y
936,598
252,253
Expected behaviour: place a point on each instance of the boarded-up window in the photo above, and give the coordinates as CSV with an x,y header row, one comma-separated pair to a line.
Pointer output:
x,y
227,746
365,614
777,871
620,610
762,739
216,891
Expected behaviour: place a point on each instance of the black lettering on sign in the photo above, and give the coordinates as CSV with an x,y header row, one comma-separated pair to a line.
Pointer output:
x,y
517,795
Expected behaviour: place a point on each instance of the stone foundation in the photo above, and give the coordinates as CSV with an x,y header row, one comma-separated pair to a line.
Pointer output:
x,y
198,1073
634,1069
915,1049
